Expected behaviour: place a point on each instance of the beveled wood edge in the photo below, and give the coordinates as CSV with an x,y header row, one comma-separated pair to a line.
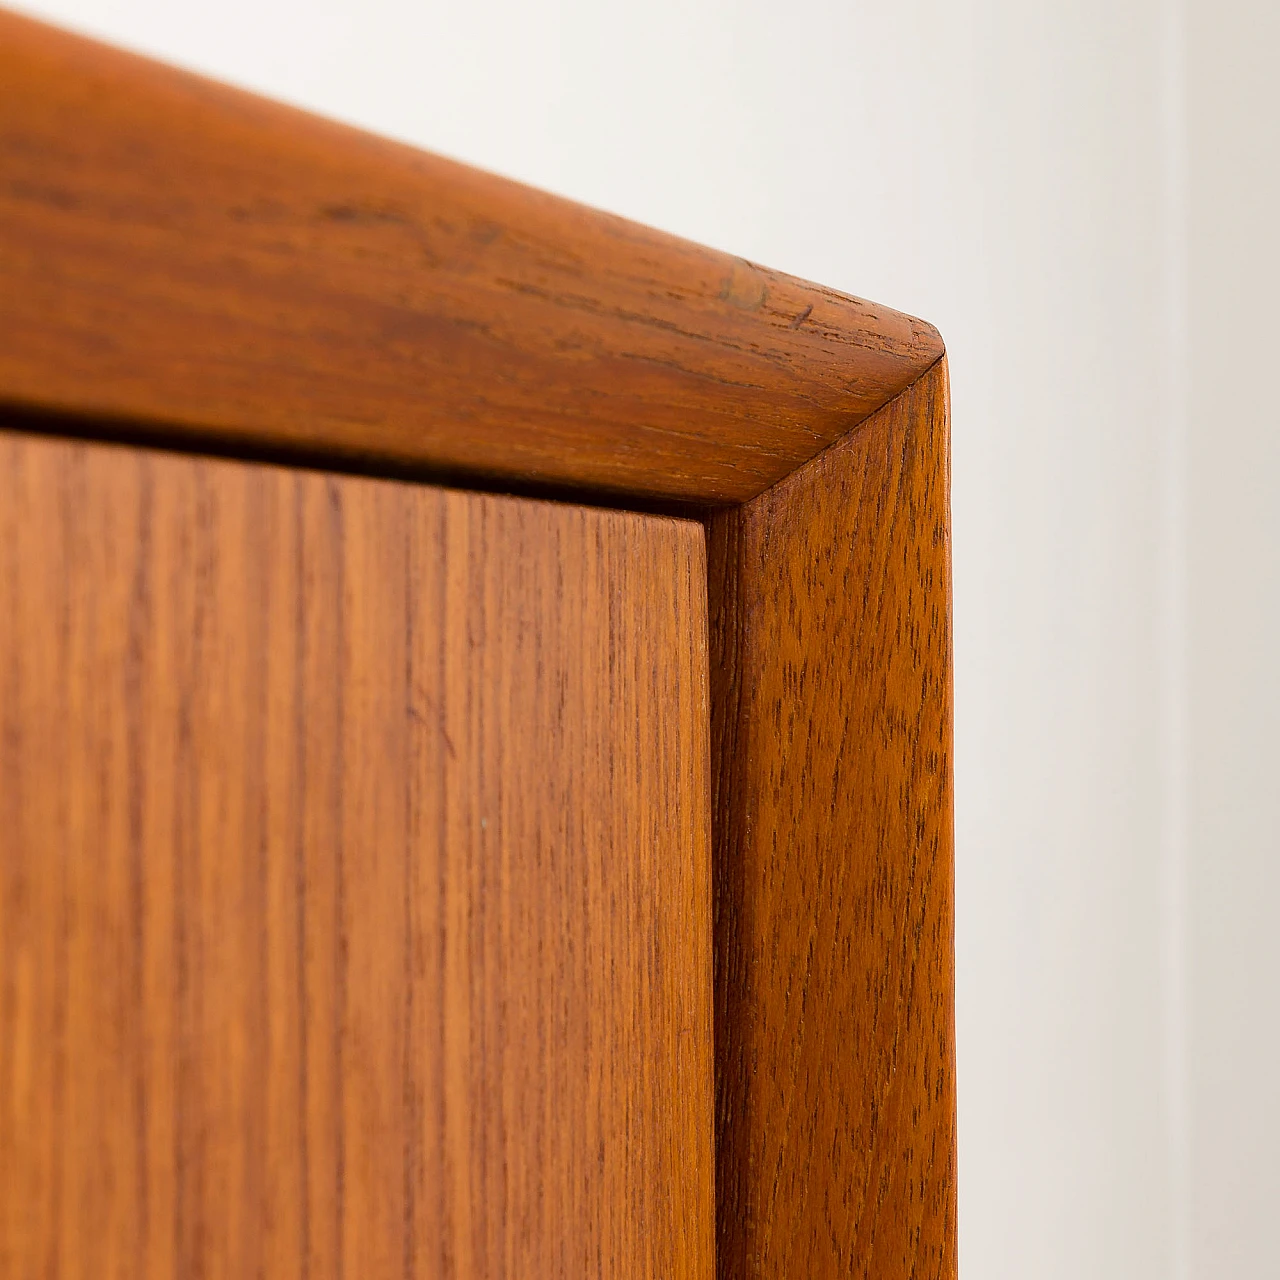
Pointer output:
x,y
204,267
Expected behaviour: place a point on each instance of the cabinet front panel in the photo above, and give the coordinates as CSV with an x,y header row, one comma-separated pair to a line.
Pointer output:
x,y
354,906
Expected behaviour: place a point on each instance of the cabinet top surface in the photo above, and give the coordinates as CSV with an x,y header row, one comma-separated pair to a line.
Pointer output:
x,y
197,265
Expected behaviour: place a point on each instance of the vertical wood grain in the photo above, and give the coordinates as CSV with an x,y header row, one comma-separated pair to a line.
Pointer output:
x,y
831,693
354,895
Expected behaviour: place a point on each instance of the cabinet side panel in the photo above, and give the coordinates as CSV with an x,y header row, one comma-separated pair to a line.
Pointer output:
x,y
831,691
354,878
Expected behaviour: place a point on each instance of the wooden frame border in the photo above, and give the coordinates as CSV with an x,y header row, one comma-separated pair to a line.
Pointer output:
x,y
190,265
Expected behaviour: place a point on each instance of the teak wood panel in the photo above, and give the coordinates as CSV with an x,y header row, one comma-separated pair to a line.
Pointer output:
x,y
831,670
354,903
198,264
297,288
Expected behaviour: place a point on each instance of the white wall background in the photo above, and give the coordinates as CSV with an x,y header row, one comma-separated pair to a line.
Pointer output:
x,y
1082,195
1233,636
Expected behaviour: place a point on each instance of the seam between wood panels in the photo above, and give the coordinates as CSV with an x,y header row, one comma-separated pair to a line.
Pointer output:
x,y
128,434
863,424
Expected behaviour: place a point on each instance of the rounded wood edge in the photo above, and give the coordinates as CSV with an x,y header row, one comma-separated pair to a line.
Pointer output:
x,y
207,264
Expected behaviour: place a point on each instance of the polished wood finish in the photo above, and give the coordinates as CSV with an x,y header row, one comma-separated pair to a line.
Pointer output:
x,y
831,670
354,903
188,261
190,265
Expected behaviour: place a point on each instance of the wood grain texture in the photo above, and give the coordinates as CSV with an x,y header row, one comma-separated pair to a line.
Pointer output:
x,y
354,904
205,265
831,695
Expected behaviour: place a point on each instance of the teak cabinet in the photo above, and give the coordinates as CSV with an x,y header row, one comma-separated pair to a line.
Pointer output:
x,y
475,721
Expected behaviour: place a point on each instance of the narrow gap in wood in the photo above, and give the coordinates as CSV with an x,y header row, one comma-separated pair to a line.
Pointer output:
x,y
133,435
